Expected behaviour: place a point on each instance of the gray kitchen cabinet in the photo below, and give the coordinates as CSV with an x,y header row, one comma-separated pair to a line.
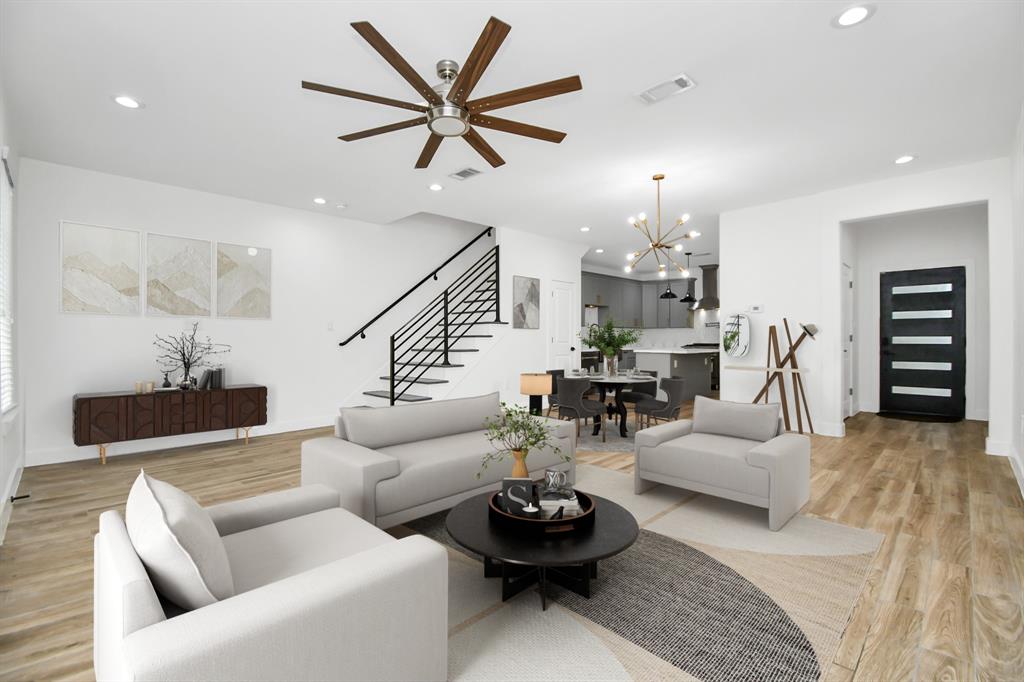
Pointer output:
x,y
649,304
632,304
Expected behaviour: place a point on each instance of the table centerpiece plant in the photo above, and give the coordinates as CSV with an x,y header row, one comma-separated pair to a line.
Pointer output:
x,y
610,340
516,432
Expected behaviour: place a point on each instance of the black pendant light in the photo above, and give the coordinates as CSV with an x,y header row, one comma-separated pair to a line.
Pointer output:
x,y
668,292
688,298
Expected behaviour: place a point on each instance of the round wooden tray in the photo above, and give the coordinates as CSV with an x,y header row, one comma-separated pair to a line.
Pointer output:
x,y
521,524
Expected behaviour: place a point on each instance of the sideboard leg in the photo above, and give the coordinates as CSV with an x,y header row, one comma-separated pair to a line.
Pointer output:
x,y
247,434
103,452
236,433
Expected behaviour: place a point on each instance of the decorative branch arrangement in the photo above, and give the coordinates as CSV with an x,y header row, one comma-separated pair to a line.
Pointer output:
x,y
186,352
609,339
517,431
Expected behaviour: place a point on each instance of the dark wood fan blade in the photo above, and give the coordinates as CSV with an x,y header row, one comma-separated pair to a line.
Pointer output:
x,y
482,148
517,128
331,90
384,129
397,62
527,94
483,52
429,149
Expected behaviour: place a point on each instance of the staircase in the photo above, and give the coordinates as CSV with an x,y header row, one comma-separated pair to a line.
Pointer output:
x,y
436,340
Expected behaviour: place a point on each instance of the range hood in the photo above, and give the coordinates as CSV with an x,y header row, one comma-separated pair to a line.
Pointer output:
x,y
709,294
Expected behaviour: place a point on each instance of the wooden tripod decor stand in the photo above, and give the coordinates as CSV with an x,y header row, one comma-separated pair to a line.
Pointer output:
x,y
778,366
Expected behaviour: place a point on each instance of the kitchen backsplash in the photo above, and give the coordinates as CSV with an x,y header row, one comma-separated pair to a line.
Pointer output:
x,y
674,338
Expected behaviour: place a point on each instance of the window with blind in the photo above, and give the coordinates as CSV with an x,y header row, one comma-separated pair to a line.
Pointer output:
x,y
7,396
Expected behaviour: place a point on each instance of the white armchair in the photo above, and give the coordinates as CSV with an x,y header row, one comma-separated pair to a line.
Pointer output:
x,y
319,595
732,450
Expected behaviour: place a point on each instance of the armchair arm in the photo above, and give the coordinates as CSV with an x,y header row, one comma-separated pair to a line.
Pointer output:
x,y
381,614
787,458
656,435
351,469
239,515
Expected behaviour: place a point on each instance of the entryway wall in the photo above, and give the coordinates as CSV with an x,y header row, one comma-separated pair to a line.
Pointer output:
x,y
940,237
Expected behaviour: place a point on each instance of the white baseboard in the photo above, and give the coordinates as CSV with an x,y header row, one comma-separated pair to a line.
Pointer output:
x,y
833,429
1018,470
1003,448
73,453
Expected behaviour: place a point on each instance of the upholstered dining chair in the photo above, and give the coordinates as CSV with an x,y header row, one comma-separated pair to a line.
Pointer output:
x,y
556,374
572,404
661,410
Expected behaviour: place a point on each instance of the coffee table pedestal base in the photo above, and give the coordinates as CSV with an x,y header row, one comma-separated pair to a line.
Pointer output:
x,y
517,577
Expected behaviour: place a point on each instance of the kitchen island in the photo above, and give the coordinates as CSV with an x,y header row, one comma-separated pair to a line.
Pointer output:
x,y
694,365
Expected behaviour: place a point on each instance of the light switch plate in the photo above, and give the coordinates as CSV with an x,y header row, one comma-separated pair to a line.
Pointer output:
x,y
755,308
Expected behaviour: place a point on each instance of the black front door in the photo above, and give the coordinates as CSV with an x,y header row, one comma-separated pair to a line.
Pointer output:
x,y
923,341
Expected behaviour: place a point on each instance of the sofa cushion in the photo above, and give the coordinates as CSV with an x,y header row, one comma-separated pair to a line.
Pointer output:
x,y
739,420
715,460
383,426
439,467
178,544
265,554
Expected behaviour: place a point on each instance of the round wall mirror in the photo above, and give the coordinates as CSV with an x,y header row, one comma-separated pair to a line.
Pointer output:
x,y
736,335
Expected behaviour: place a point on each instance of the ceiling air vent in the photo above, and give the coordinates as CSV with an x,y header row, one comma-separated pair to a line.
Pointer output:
x,y
465,174
680,83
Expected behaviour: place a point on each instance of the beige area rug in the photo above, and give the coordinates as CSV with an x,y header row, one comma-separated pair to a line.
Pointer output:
x,y
810,573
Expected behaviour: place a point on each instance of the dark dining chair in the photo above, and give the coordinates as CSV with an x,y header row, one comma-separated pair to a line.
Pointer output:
x,y
572,404
644,391
661,410
556,374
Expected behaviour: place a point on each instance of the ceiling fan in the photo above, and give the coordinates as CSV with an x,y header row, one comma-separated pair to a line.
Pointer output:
x,y
448,111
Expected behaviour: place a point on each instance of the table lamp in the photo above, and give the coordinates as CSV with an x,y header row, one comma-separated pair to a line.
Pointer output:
x,y
535,385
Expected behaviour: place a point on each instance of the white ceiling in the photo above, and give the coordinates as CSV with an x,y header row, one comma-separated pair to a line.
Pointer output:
x,y
785,104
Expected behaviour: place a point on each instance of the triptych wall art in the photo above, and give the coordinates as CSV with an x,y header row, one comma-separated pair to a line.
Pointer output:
x,y
101,273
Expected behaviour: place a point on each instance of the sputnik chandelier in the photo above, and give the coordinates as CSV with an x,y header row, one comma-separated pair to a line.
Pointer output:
x,y
657,243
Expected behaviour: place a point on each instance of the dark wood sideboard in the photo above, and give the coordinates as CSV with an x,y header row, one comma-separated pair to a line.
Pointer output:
x,y
104,418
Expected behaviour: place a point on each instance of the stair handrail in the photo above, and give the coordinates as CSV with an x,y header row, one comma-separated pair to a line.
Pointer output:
x,y
361,332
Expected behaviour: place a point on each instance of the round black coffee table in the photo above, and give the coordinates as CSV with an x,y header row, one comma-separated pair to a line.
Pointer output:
x,y
520,560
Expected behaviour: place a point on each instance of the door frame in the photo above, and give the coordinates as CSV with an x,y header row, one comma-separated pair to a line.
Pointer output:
x,y
849,341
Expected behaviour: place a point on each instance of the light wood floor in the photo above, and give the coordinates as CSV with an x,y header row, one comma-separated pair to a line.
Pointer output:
x,y
943,599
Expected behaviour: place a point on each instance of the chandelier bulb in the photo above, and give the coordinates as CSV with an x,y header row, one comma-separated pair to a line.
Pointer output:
x,y
627,269
662,274
693,234
678,247
642,217
686,216
631,220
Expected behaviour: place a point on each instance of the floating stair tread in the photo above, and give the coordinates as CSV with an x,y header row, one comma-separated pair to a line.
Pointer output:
x,y
465,336
450,350
405,398
428,364
409,379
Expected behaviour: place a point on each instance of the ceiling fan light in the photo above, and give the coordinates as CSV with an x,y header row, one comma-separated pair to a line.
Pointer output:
x,y
447,120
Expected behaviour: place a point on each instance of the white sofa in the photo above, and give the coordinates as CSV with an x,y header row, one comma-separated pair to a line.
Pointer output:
x,y
395,464
319,595
738,451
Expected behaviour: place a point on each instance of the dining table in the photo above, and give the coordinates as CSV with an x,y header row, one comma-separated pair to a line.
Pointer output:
x,y
618,383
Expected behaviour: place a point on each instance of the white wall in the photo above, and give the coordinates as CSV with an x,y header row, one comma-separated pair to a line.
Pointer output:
x,y
787,256
947,237
1017,407
324,270
514,351
12,438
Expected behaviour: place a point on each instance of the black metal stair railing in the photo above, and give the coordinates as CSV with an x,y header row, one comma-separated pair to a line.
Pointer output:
x,y
427,341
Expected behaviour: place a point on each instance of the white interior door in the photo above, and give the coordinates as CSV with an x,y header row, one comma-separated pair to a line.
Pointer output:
x,y
848,401
562,312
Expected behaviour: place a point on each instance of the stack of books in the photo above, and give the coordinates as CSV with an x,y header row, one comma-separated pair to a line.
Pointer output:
x,y
549,508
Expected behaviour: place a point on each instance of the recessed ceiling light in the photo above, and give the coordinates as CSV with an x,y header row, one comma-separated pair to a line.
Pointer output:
x,y
341,206
128,102
851,16
319,201
253,251
584,229
436,187
906,158
598,250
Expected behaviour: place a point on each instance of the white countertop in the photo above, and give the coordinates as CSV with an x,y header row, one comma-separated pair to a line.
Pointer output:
x,y
675,351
